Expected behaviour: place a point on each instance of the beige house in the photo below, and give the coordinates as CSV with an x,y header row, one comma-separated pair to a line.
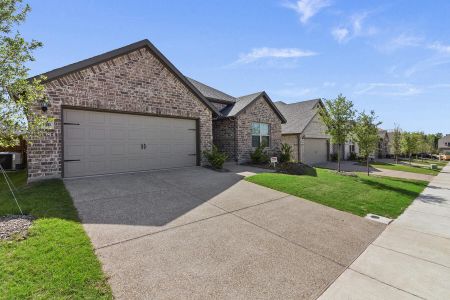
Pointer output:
x,y
305,131
444,144
383,144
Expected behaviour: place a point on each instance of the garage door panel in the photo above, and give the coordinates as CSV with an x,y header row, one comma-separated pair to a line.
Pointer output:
x,y
314,151
111,142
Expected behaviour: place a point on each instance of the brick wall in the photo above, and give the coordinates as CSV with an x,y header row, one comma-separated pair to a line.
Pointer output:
x,y
224,136
292,139
258,111
134,82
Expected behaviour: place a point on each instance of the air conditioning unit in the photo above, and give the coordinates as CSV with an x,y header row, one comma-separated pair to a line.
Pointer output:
x,y
11,160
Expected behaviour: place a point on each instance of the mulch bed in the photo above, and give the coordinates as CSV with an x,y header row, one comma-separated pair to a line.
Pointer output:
x,y
14,226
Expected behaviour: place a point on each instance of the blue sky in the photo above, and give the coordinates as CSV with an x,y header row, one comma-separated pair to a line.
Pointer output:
x,y
389,56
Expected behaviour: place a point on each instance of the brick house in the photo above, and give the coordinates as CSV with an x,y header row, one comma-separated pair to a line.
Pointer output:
x,y
244,122
131,109
305,131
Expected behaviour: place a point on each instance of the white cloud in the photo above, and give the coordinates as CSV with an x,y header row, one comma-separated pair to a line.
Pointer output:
x,y
340,34
355,28
401,41
307,8
439,47
279,53
388,89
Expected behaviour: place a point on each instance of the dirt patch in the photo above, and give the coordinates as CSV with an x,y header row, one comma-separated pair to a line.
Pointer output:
x,y
14,226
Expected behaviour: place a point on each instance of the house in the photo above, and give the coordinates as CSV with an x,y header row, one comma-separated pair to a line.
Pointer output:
x,y
444,144
131,109
305,131
383,144
254,113
350,149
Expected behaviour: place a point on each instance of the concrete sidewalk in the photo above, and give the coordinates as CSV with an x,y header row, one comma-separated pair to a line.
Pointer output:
x,y
411,258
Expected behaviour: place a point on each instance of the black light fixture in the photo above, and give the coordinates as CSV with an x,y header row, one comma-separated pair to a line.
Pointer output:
x,y
44,105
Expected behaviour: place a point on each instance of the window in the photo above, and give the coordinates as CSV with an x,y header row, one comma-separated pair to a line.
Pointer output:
x,y
260,134
352,148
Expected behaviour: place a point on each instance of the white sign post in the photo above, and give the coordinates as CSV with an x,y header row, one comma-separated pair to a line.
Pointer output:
x,y
273,160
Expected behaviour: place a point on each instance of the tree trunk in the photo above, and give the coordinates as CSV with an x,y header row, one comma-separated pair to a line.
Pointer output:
x,y
368,168
396,159
339,158
410,159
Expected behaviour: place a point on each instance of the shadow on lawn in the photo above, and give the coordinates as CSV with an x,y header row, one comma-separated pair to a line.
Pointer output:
x,y
383,186
45,199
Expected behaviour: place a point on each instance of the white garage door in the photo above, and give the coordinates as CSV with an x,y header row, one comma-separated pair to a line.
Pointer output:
x,y
102,143
314,151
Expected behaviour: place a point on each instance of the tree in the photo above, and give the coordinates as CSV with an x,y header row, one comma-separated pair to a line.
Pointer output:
x,y
18,95
338,116
365,133
409,144
396,142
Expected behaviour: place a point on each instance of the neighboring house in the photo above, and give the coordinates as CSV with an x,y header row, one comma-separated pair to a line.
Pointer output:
x,y
131,109
390,147
305,131
383,142
444,144
350,147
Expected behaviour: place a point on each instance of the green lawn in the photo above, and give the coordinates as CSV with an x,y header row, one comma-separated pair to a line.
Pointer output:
x,y
359,195
428,162
405,168
57,260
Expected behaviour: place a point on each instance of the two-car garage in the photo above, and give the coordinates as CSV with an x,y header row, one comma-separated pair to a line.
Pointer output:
x,y
98,142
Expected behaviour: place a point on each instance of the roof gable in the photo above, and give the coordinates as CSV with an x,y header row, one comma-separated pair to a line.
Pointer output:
x,y
298,115
244,101
87,63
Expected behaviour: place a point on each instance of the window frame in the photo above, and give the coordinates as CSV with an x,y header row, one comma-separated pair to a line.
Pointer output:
x,y
260,135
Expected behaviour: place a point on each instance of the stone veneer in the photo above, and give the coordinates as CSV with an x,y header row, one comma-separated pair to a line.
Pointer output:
x,y
234,136
134,82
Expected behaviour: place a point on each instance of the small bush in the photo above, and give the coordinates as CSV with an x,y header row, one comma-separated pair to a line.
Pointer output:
x,y
352,156
259,156
215,158
333,156
286,153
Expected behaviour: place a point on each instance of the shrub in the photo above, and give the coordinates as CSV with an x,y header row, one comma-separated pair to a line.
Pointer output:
x,y
333,156
215,158
259,156
286,152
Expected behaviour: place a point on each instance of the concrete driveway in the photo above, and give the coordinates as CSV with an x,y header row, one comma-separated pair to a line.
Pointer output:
x,y
197,233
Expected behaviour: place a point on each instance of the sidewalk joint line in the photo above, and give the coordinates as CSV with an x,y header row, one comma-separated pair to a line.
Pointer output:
x,y
413,256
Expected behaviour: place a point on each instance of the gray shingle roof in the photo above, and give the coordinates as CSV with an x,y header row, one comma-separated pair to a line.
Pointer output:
x,y
241,103
298,115
212,93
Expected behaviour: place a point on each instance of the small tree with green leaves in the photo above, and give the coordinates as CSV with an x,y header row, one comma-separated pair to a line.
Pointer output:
x,y
18,95
338,116
365,133
396,142
409,144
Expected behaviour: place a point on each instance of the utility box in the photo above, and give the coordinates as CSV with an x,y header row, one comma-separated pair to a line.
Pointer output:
x,y
433,167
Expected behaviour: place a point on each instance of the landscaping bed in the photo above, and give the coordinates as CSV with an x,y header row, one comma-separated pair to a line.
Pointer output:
x,y
291,168
55,260
357,194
